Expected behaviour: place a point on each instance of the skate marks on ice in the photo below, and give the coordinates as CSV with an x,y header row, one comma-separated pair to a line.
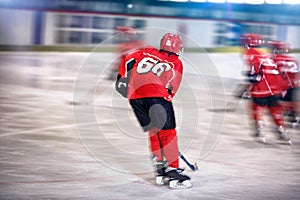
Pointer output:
x,y
241,123
125,127
236,96
42,156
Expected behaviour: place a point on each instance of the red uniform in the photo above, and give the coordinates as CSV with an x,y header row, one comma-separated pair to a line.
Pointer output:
x,y
150,78
270,80
152,72
123,50
267,85
153,77
289,68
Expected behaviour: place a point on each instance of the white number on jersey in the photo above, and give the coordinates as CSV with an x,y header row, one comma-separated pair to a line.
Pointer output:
x,y
294,68
148,64
269,62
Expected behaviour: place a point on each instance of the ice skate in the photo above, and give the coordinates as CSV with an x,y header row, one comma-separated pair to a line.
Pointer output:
x,y
296,122
160,172
259,132
283,135
262,139
159,168
260,136
177,180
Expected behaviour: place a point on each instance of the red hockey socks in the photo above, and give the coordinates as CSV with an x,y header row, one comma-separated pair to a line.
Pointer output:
x,y
164,144
155,145
277,114
275,111
168,141
258,112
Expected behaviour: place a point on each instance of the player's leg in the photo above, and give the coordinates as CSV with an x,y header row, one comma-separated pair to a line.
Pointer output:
x,y
296,106
258,108
155,145
276,112
162,116
169,144
287,104
155,114
168,140
157,157
277,115
141,109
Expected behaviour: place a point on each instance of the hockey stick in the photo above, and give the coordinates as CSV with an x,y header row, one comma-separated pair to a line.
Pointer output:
x,y
242,93
192,167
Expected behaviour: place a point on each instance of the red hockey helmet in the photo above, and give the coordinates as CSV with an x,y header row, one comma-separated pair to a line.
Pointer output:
x,y
279,46
252,40
172,43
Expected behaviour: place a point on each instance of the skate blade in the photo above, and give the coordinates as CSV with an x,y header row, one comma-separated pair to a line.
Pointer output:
x,y
286,140
289,143
261,140
175,184
295,124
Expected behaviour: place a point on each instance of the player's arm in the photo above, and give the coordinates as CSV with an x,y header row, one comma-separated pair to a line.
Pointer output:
x,y
122,81
252,77
255,73
175,80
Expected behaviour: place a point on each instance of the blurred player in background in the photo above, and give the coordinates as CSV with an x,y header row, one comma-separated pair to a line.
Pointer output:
x,y
150,78
289,68
267,85
129,43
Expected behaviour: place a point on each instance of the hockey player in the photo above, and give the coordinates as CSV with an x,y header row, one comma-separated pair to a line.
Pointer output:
x,y
129,43
289,68
267,85
150,78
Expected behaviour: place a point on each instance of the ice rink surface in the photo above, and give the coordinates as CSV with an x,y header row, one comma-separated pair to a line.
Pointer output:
x,y
66,134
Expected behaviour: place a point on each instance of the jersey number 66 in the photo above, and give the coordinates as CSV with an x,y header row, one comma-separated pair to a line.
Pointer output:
x,y
148,64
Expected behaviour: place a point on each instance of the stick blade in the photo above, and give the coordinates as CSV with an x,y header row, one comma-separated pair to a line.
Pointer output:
x,y
196,166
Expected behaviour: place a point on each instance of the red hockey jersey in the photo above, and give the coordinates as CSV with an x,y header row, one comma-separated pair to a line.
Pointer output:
x,y
261,64
152,73
289,68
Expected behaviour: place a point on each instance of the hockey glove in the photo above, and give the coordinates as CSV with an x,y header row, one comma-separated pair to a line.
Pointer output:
x,y
122,86
169,89
254,78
